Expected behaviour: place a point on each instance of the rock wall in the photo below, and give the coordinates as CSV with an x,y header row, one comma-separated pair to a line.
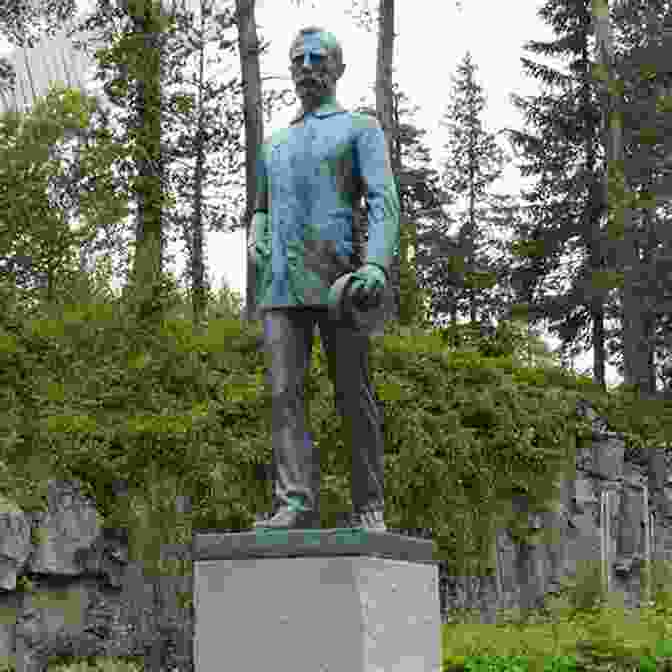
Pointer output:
x,y
614,512
89,599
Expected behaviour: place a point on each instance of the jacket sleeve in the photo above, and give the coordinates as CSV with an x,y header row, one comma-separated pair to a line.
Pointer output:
x,y
259,228
380,192
261,195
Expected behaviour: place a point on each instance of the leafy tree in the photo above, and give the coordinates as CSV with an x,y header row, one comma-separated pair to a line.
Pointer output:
x,y
19,19
40,192
138,91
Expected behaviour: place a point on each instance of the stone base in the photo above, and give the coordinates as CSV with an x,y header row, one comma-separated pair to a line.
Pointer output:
x,y
339,600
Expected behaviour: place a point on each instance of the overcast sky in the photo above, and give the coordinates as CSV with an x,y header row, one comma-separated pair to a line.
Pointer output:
x,y
432,38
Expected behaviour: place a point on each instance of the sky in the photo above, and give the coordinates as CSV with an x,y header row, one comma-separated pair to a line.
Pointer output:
x,y
432,38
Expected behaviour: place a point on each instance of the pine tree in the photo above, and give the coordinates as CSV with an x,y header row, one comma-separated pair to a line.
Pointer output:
x,y
571,259
635,75
562,229
473,163
422,198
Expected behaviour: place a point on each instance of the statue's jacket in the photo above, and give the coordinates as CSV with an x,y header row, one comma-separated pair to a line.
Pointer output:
x,y
310,176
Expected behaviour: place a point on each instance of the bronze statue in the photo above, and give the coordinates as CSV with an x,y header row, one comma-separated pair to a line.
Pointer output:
x,y
310,176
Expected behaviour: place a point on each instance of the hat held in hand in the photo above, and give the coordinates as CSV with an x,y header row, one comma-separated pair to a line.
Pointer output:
x,y
344,308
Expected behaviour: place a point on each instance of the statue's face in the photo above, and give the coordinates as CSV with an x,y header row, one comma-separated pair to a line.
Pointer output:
x,y
314,68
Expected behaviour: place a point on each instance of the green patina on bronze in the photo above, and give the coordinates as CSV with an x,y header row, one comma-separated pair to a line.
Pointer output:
x,y
315,200
328,39
312,177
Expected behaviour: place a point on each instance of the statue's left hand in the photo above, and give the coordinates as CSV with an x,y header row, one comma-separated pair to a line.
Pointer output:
x,y
368,286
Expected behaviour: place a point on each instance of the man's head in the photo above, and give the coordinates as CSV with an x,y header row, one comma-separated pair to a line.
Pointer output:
x,y
316,64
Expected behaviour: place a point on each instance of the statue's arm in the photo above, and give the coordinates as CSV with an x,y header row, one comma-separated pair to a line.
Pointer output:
x,y
259,230
380,192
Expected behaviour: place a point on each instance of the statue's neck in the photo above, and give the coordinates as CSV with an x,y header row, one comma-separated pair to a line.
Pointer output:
x,y
309,105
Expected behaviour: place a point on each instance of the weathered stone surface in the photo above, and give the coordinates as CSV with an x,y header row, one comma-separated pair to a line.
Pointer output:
x,y
630,539
15,544
87,598
608,452
70,525
605,474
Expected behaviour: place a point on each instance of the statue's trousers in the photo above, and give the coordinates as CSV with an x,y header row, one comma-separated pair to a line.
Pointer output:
x,y
288,339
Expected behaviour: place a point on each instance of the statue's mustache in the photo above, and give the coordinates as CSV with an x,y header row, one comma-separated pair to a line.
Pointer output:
x,y
310,79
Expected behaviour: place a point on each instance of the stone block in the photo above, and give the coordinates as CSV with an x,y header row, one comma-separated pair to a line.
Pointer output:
x,y
70,525
309,600
87,596
506,562
630,539
15,542
608,456
584,493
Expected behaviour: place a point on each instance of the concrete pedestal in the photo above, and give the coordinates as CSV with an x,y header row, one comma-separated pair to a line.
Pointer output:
x,y
341,600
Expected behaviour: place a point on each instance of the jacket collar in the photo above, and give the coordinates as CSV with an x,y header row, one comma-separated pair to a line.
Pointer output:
x,y
331,106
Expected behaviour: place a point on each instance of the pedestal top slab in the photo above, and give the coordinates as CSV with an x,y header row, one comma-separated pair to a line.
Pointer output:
x,y
215,545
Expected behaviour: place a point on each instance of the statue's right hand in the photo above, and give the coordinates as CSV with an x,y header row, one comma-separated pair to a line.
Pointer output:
x,y
259,244
259,253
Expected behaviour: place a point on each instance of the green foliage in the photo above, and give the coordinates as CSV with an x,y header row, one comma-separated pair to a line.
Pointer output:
x,y
35,177
464,432
575,630
93,395
176,411
95,664
88,391
580,593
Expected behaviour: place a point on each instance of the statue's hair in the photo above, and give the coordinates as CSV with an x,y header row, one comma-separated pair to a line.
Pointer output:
x,y
330,41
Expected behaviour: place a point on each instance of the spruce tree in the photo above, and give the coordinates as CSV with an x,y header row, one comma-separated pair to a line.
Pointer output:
x,y
571,255
422,198
638,79
560,275
465,272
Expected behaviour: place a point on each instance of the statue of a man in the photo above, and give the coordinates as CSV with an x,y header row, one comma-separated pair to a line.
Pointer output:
x,y
310,176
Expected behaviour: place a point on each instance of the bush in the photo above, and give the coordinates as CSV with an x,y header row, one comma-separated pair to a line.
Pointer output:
x,y
90,392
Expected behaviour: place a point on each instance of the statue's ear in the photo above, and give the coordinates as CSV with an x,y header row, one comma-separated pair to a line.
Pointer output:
x,y
340,70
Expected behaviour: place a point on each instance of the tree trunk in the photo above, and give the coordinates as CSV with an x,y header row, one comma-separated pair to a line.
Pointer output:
x,y
384,88
385,111
409,304
198,297
635,356
637,323
594,212
248,45
471,243
147,264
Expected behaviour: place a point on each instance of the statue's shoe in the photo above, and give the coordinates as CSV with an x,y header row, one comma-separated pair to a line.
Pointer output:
x,y
287,519
370,519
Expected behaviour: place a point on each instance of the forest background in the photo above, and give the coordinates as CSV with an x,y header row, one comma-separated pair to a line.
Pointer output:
x,y
160,393
499,72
